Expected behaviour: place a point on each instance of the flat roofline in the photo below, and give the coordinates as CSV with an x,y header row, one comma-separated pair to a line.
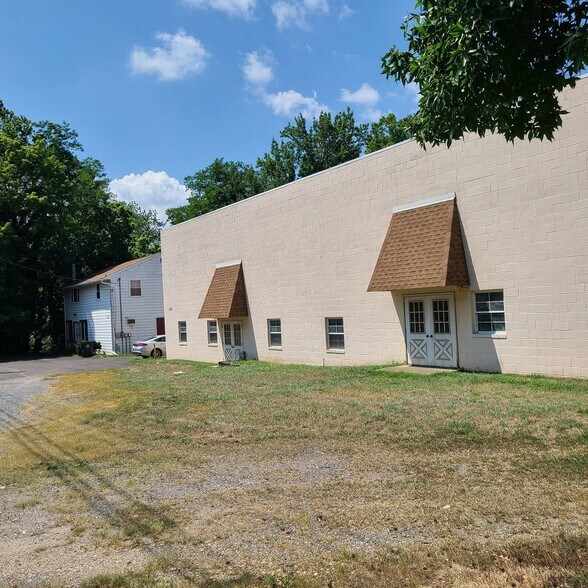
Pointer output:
x,y
299,180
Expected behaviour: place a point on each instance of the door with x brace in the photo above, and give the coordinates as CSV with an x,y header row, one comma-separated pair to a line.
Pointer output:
x,y
430,330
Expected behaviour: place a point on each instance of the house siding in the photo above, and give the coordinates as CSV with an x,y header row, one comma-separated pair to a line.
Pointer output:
x,y
144,309
95,311
309,249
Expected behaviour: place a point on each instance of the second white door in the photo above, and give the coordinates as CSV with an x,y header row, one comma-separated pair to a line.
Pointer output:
x,y
233,341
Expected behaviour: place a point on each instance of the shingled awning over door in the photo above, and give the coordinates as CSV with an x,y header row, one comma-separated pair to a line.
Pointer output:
x,y
226,297
422,249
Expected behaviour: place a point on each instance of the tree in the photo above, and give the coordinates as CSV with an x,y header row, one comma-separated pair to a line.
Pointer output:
x,y
388,131
326,142
55,210
221,183
491,66
278,167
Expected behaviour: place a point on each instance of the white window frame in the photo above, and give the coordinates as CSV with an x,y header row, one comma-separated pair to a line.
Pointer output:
x,y
182,331
74,295
475,312
270,333
131,288
209,332
328,333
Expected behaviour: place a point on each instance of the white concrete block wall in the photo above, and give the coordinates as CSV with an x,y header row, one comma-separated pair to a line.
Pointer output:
x,y
309,249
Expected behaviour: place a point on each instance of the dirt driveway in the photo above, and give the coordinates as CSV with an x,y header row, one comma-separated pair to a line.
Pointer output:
x,y
21,379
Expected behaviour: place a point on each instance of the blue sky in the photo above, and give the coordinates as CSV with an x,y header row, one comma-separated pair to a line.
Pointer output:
x,y
158,88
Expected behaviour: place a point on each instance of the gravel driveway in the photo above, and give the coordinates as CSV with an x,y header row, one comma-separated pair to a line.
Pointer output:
x,y
19,380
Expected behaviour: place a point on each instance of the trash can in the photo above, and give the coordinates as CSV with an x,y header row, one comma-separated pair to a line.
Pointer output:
x,y
87,348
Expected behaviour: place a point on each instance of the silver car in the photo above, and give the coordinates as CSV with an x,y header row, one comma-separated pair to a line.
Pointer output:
x,y
154,347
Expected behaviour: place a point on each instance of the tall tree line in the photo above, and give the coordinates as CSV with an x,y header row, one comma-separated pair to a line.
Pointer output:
x,y
55,210
304,148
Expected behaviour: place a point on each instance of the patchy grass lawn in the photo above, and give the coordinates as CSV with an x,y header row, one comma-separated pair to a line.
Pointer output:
x,y
296,476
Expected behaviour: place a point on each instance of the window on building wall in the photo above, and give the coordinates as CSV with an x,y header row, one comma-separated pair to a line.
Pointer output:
x,y
489,312
84,329
74,294
212,333
274,332
182,332
335,334
135,287
98,291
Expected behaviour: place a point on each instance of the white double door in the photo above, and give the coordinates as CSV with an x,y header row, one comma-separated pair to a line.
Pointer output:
x,y
430,330
233,340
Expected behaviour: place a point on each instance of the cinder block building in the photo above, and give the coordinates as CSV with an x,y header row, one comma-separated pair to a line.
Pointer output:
x,y
474,257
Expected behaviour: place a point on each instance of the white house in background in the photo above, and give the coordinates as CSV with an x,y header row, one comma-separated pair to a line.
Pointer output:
x,y
117,306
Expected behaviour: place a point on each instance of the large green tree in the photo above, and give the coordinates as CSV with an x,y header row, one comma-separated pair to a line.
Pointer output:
x,y
490,66
324,142
389,130
55,210
217,185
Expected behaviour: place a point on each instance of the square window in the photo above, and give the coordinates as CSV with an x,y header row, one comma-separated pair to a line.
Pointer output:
x,y
182,332
489,312
212,333
335,334
274,329
75,295
135,287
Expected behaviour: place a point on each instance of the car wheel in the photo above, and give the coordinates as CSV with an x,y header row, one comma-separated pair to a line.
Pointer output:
x,y
156,353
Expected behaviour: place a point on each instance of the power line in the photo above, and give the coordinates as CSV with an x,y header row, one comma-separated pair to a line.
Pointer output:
x,y
51,274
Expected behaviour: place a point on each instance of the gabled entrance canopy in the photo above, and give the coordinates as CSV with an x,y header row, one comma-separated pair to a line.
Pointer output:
x,y
422,249
226,296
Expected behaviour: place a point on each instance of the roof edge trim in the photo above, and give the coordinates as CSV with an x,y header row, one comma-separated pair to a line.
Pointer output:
x,y
424,202
228,263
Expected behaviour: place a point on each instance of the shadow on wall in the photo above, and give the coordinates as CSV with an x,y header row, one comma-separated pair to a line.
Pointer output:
x,y
477,353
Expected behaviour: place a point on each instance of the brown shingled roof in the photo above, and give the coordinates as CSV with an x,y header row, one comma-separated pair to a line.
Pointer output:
x,y
422,249
226,297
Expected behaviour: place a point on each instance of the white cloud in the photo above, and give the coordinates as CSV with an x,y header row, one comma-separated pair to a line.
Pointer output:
x,y
365,95
258,68
295,13
179,56
345,12
290,103
151,190
240,8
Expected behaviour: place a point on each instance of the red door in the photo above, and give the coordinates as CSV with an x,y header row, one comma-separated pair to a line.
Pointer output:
x,y
160,326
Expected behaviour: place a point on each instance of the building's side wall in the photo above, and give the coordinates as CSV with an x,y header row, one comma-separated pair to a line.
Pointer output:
x,y
95,311
309,249
144,309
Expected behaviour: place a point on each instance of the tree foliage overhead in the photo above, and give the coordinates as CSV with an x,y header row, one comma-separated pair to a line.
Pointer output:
x,y
388,131
55,209
492,65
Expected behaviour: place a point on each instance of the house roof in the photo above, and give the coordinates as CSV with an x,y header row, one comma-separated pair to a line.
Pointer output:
x,y
107,273
226,296
422,249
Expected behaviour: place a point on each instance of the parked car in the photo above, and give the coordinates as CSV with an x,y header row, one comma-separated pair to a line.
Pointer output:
x,y
154,347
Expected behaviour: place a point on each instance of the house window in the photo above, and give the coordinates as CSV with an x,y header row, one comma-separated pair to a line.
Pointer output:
x,y
182,332
212,333
135,287
98,291
274,332
489,312
335,334
84,328
75,294
68,331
